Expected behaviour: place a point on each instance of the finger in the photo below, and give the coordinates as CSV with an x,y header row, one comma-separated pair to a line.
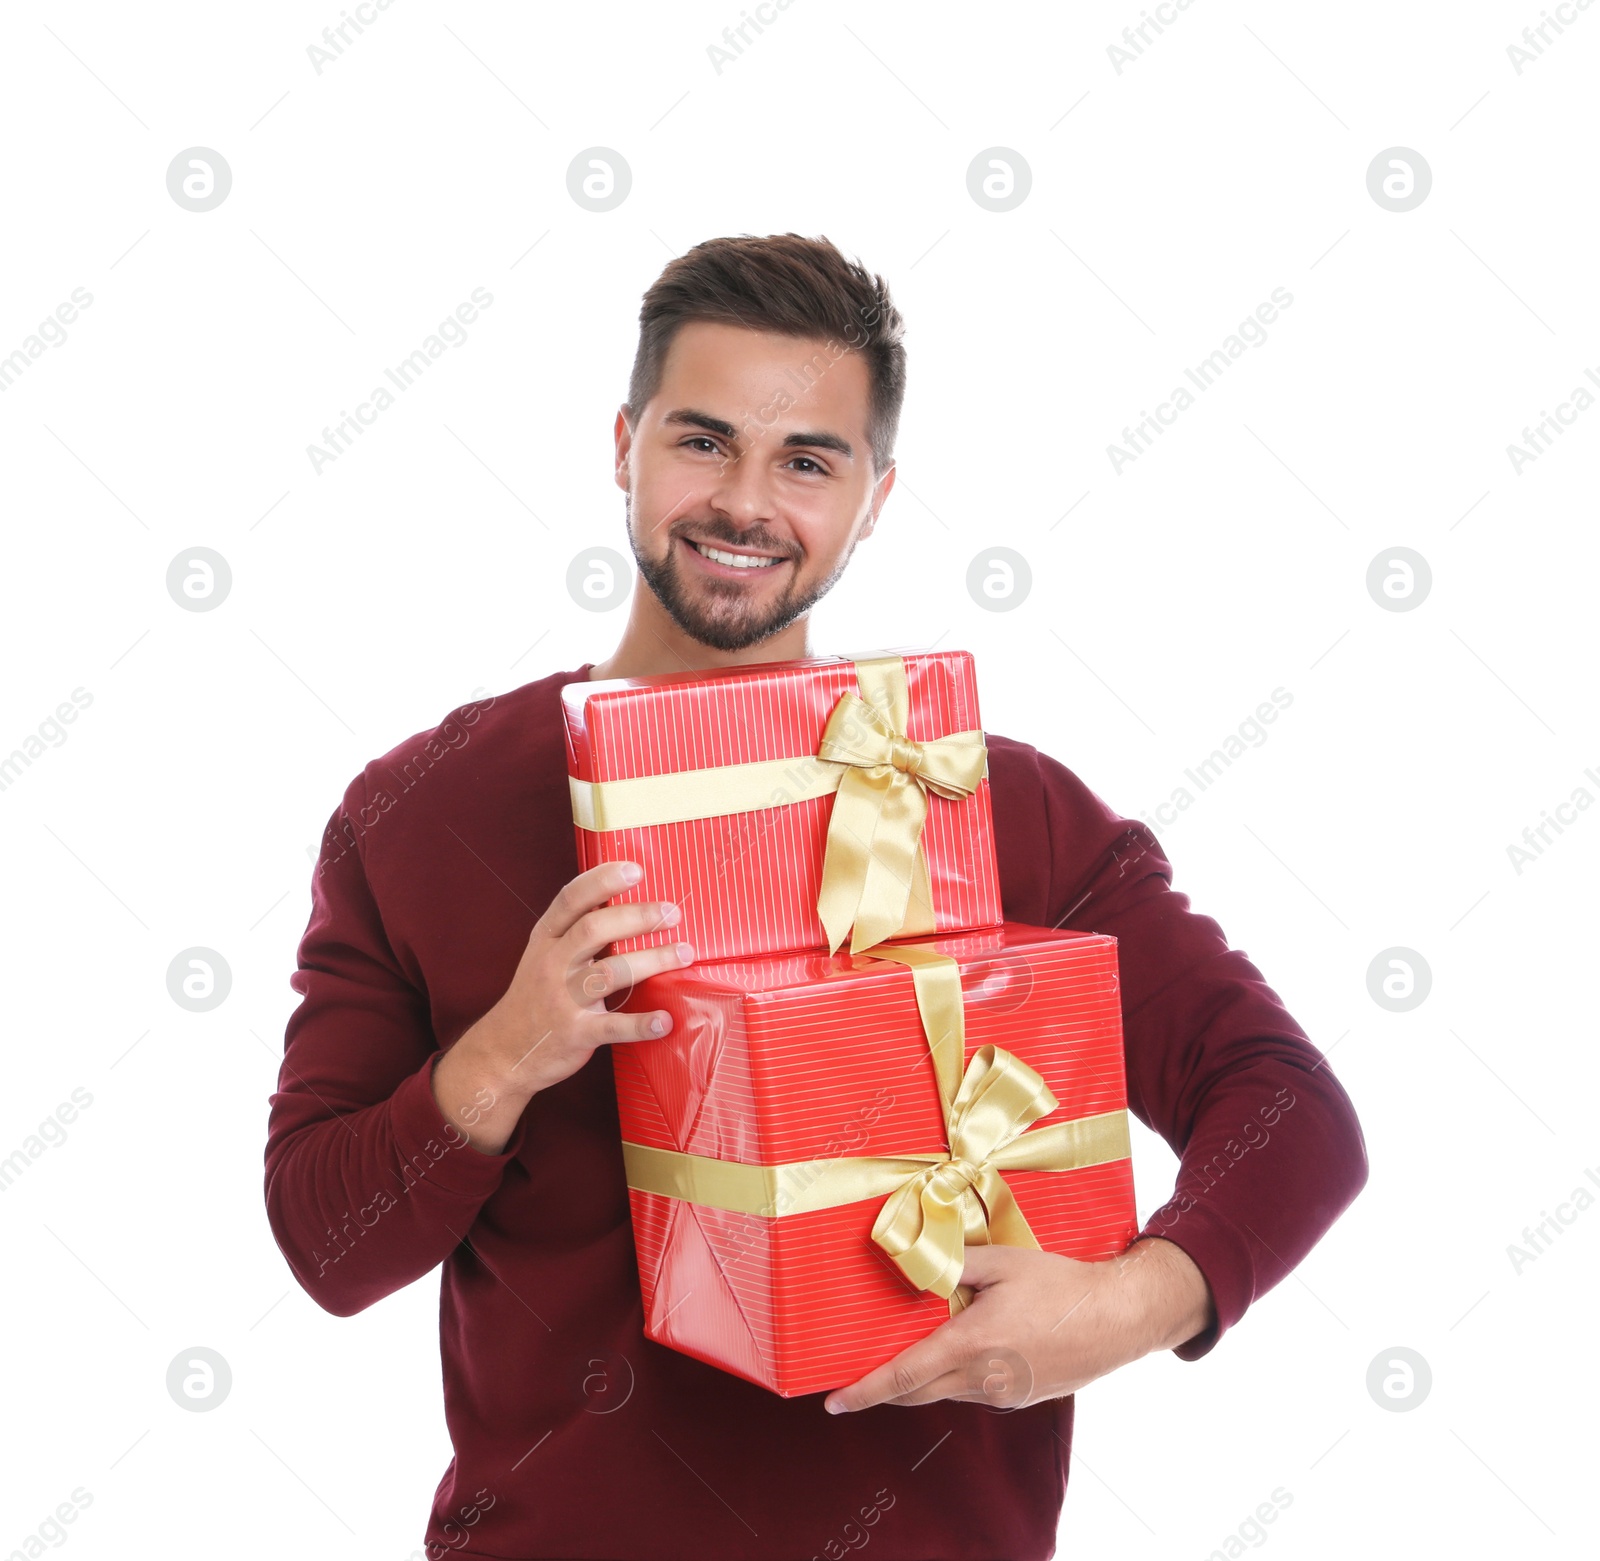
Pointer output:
x,y
605,1029
583,893
597,929
620,973
985,1263
914,1367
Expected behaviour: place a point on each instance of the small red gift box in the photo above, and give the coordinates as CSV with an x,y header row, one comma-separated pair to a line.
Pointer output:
x,y
783,804
816,1140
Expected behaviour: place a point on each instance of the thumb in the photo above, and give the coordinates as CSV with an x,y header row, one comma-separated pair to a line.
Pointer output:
x,y
983,1265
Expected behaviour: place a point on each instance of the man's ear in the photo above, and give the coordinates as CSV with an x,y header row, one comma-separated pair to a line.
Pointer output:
x,y
880,496
622,435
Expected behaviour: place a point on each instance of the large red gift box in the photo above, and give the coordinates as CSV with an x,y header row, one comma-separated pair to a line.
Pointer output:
x,y
712,782
782,1062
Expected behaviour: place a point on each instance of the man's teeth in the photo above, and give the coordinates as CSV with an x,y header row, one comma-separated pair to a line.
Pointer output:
x,y
735,560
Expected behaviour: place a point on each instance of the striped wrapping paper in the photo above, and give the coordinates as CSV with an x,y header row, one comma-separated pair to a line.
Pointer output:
x,y
809,1056
748,882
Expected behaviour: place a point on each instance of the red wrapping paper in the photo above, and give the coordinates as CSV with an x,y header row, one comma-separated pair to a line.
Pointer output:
x,y
748,882
809,1056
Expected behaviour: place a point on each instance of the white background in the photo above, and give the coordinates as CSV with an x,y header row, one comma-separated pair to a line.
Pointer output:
x,y
1167,602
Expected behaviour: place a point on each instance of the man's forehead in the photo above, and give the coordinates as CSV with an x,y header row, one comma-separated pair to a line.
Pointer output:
x,y
709,362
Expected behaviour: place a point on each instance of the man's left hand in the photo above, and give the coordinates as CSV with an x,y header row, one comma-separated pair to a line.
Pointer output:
x,y
1041,1326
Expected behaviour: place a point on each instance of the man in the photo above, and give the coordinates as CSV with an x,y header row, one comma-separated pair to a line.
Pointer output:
x,y
447,1096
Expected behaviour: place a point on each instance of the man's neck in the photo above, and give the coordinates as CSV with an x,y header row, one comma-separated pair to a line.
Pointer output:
x,y
648,648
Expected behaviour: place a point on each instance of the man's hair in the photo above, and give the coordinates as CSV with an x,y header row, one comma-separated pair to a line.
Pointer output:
x,y
791,285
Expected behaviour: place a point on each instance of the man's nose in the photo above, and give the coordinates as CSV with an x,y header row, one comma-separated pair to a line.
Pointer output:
x,y
744,490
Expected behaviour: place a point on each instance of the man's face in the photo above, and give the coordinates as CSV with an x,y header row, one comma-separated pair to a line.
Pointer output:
x,y
755,446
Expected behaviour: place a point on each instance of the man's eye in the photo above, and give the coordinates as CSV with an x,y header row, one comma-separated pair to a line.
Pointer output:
x,y
701,439
811,463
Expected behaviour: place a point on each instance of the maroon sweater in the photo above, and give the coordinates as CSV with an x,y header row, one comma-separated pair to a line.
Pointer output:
x,y
574,1435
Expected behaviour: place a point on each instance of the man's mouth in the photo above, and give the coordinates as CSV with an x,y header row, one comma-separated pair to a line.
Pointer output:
x,y
729,559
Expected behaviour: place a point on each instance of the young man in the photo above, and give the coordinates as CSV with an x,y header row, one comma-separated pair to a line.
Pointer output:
x,y
446,1093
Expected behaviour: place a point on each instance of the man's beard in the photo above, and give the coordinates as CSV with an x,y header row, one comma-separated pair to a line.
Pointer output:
x,y
722,615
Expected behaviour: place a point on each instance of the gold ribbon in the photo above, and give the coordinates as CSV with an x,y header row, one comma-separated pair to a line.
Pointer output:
x,y
874,870
935,1204
874,857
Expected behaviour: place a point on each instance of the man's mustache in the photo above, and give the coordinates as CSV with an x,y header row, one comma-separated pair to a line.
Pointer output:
x,y
715,535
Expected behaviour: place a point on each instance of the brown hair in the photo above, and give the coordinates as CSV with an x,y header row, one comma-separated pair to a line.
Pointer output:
x,y
795,286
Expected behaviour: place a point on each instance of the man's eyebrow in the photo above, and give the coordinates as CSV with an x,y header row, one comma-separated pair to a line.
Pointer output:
x,y
688,417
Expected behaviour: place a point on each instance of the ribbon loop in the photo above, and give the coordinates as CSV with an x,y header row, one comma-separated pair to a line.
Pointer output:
x,y
873,857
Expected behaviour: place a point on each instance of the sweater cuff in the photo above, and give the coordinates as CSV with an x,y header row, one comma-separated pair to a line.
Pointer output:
x,y
1224,1259
435,1148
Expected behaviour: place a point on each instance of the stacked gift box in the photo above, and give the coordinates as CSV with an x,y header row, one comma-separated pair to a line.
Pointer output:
x,y
824,1129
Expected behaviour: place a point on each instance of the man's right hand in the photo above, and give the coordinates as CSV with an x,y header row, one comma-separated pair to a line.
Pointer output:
x,y
553,1015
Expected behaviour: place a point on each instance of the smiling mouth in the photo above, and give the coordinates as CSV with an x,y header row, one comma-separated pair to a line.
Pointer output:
x,y
731,560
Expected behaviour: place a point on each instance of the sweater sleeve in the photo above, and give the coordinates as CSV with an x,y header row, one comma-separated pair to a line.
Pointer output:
x,y
368,1185
1271,1152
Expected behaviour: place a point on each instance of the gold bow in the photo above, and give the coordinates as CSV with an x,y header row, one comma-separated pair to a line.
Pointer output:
x,y
935,1204
874,853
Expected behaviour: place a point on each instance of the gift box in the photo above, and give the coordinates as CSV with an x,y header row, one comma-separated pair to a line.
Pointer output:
x,y
812,1146
785,804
